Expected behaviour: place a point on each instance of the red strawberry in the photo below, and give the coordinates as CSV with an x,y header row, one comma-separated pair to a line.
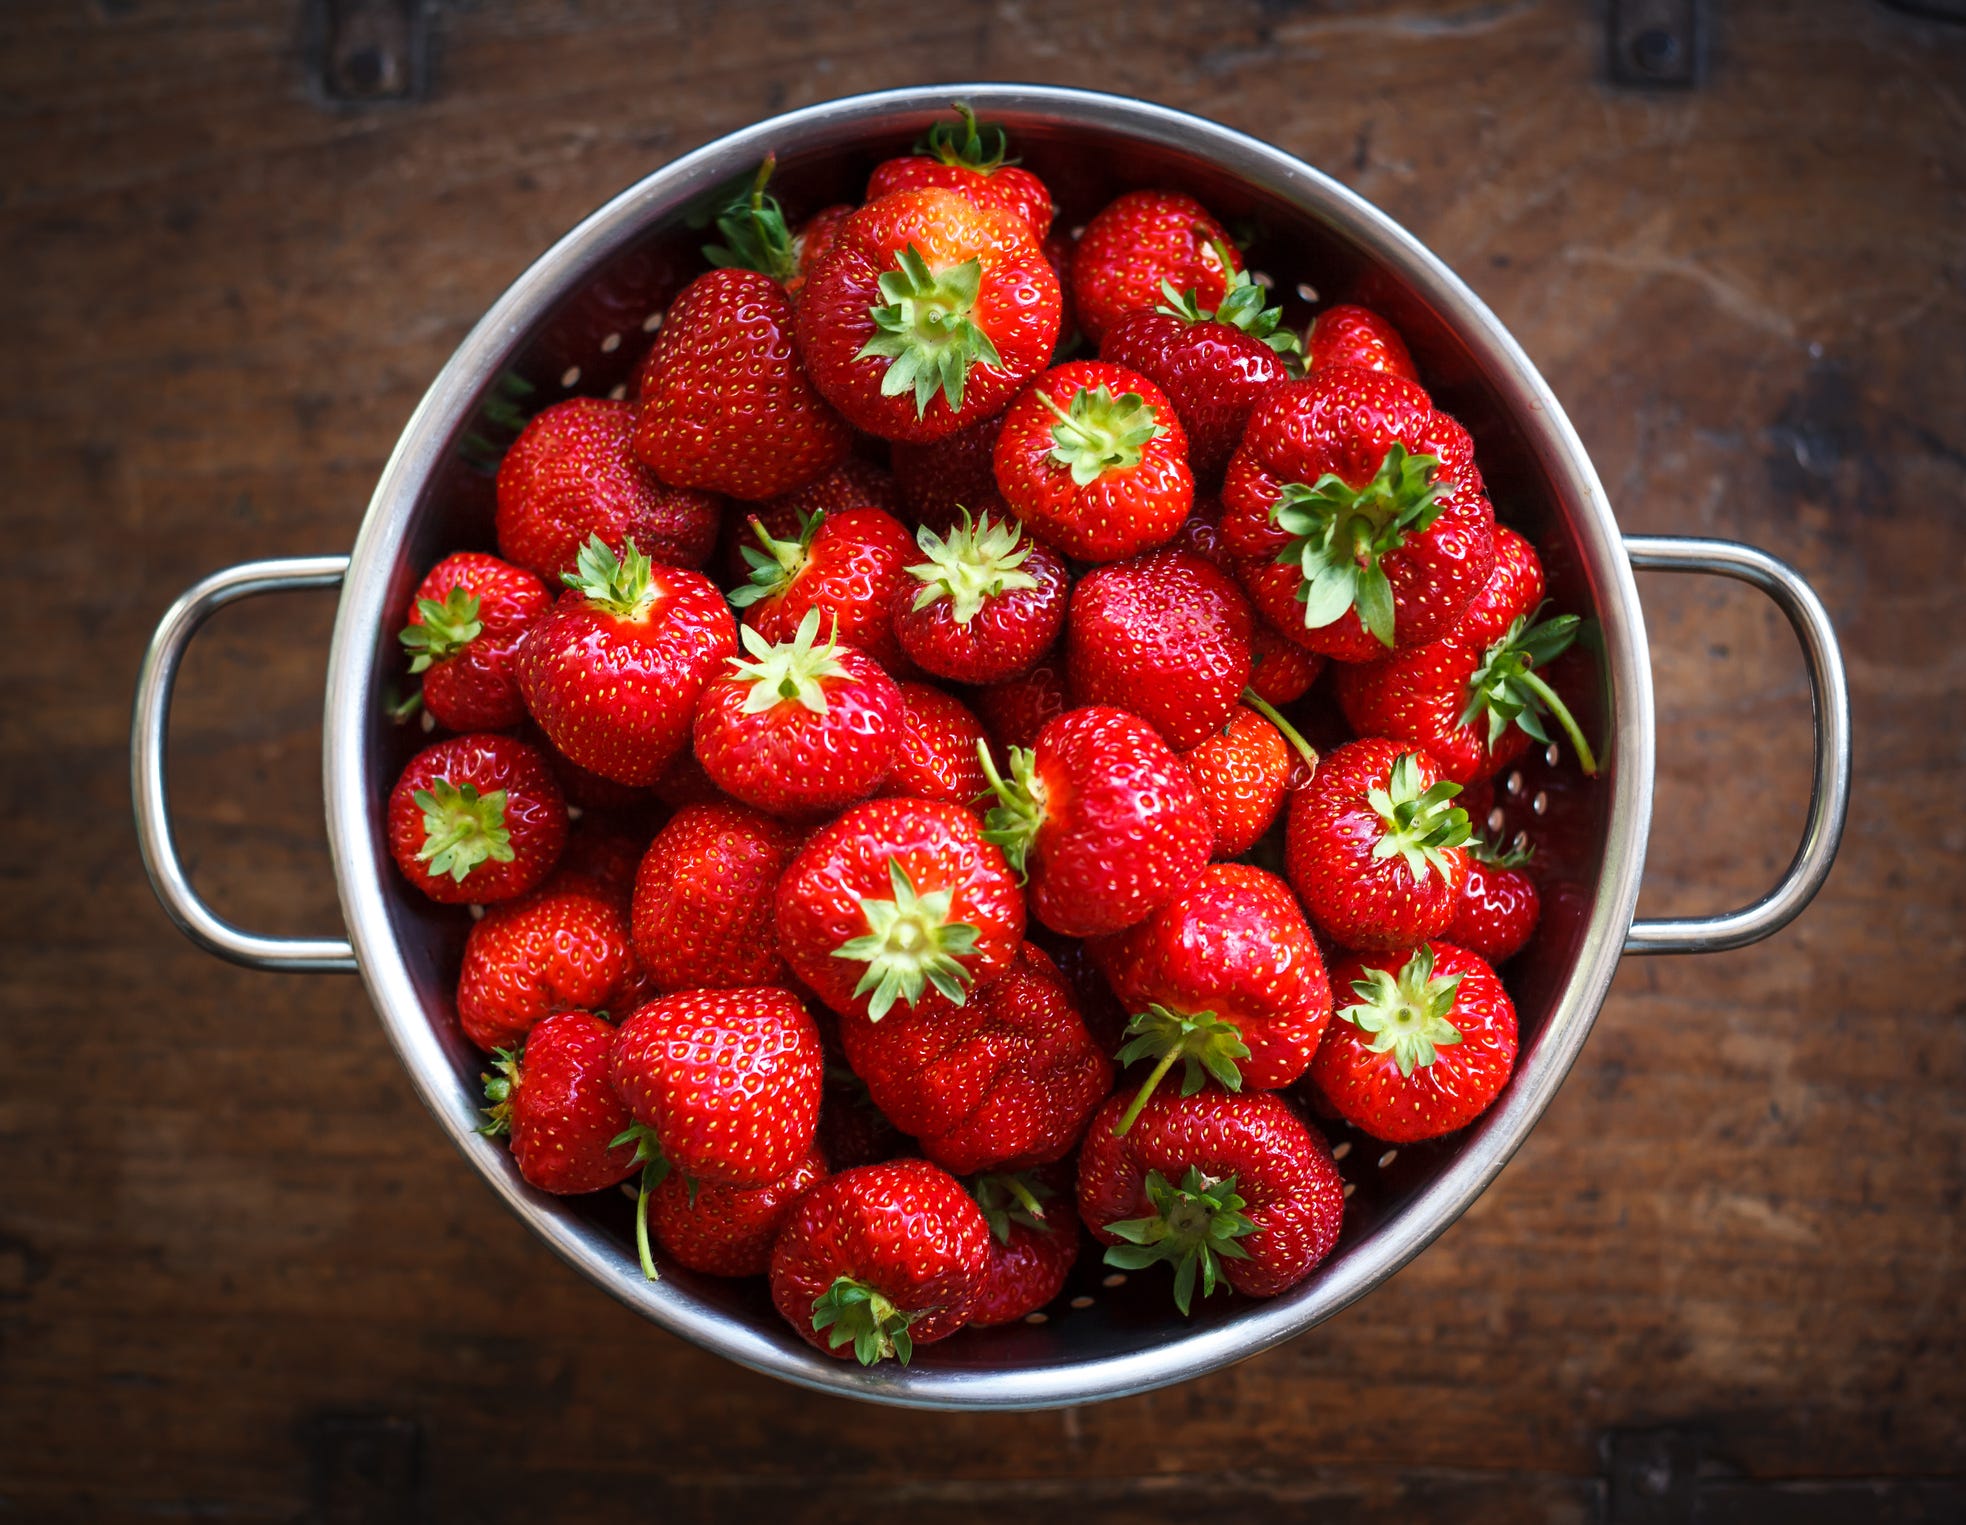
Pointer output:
x,y
727,1230
854,483
563,948
1034,1243
553,1099
613,672
1094,461
476,819
1240,771
1103,819
1015,710
938,481
899,901
971,160
799,730
927,314
937,759
1347,335
1222,1186
1499,905
1280,670
465,622
1005,1081
571,476
877,1260
1425,1047
1164,635
848,566
1356,514
1225,979
985,605
1375,846
1140,240
702,909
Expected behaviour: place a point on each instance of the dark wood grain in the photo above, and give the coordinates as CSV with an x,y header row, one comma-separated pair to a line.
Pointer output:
x,y
241,1275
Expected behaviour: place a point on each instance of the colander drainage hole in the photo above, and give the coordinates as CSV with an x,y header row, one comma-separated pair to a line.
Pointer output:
x,y
570,377
610,344
1387,1158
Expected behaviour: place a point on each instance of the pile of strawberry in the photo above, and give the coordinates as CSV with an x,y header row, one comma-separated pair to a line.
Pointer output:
x,y
887,929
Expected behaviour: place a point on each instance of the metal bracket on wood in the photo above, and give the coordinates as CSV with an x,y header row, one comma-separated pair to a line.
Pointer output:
x,y
369,52
1657,44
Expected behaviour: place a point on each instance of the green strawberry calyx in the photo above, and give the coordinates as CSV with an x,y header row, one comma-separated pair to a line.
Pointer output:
x,y
979,561
1507,689
1421,825
850,1311
499,1083
981,146
775,564
790,672
1100,432
926,329
445,629
910,944
1194,1227
1208,1044
1244,305
1008,1197
1406,1014
655,1170
1339,533
1019,814
755,236
623,585
461,829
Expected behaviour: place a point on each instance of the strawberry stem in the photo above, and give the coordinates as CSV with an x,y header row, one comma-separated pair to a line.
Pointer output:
x,y
1290,732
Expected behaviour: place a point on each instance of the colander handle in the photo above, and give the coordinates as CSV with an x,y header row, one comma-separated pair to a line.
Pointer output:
x,y
1829,693
148,731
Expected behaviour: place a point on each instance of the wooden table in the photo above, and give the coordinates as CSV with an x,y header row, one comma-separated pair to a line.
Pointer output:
x,y
243,1277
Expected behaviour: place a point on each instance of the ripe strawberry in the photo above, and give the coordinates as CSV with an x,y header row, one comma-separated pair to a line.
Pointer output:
x,y
552,1098
880,1259
571,475
800,730
1280,671
985,605
1499,904
1424,1049
848,566
1094,461
612,672
1140,240
724,1086
1164,635
1034,1242
466,620
854,483
1226,979
727,1230
1015,710
1240,771
1103,820
1230,1187
1005,1081
1375,846
938,481
971,160
899,901
564,947
1347,335
927,313
702,916
476,819
1356,513
937,758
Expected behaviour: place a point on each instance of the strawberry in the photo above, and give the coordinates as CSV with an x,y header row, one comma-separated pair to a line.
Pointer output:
x,y
1499,904
1356,514
1424,1048
1226,979
1347,335
1015,710
937,758
1140,240
727,1230
1224,1187
971,160
1103,820
552,1098
938,481
702,899
613,671
1375,846
724,1087
799,730
1093,460
879,1259
466,620
1164,635
1240,771
985,605
1280,671
1004,1081
926,314
725,404
854,483
476,819
1034,1243
899,901
571,475
847,565
565,947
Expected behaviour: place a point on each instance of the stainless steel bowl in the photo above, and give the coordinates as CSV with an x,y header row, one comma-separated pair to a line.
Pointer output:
x,y
575,321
